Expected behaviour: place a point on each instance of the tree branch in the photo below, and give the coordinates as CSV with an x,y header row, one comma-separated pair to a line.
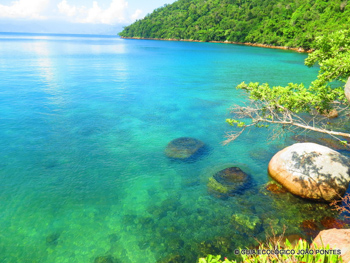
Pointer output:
x,y
307,127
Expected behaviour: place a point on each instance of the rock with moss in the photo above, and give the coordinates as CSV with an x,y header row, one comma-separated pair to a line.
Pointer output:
x,y
228,182
184,148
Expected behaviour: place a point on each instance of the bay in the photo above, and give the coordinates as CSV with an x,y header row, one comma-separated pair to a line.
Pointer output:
x,y
84,124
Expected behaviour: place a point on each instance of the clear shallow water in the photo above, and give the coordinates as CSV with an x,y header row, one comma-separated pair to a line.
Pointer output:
x,y
84,124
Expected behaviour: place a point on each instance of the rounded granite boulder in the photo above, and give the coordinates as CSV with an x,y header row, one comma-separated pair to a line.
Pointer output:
x,y
228,182
184,148
311,171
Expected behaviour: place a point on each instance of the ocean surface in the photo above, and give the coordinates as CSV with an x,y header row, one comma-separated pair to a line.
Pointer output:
x,y
84,124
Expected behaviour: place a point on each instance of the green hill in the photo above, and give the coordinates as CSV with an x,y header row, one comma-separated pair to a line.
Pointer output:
x,y
274,22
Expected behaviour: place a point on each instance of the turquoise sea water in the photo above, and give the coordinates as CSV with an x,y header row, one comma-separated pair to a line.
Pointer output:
x,y
84,123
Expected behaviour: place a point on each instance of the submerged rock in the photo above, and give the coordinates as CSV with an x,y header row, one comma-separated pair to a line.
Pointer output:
x,y
113,238
274,188
209,247
52,239
173,259
184,148
331,222
228,182
311,171
104,259
331,114
310,227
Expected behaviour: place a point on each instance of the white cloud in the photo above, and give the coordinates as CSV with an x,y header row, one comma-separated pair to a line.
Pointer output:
x,y
24,9
66,9
137,14
115,13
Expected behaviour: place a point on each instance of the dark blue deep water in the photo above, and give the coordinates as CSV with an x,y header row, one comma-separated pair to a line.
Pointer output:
x,y
84,122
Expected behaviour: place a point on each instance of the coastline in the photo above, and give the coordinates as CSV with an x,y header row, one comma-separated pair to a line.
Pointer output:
x,y
297,49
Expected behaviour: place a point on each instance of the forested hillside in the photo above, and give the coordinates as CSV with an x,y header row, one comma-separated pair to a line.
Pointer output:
x,y
292,23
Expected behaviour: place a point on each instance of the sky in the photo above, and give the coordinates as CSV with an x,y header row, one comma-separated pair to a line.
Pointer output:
x,y
73,16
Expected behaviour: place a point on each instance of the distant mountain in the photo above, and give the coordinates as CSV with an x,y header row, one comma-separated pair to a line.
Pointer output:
x,y
58,27
275,22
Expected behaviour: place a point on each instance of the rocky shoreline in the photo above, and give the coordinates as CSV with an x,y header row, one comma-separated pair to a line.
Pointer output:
x,y
297,49
307,170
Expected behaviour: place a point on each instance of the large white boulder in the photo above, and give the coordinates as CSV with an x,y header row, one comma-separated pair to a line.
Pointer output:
x,y
311,171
